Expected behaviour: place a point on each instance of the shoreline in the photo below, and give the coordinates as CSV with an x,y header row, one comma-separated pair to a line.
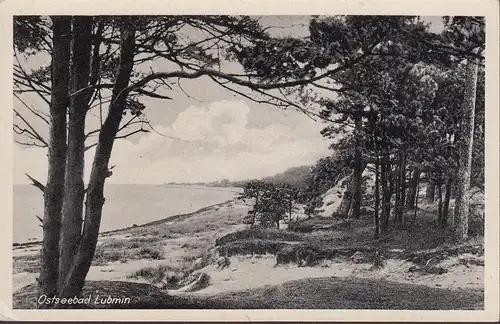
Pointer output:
x,y
157,222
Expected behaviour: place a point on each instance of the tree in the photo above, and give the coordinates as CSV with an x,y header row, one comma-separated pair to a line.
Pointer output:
x,y
98,64
54,189
410,112
468,35
253,190
465,150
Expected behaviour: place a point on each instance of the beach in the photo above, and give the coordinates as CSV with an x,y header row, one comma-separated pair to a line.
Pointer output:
x,y
125,205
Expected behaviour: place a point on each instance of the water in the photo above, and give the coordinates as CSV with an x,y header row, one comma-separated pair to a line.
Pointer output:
x,y
125,205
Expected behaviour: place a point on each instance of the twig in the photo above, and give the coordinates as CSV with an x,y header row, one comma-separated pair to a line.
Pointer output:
x,y
36,183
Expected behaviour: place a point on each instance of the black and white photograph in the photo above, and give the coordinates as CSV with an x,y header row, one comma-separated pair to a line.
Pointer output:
x,y
255,162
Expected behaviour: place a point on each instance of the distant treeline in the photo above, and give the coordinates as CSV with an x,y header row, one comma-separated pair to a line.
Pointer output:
x,y
297,177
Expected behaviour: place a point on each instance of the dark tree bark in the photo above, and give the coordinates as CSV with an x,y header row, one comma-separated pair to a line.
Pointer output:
x,y
377,199
466,138
412,190
386,195
430,192
440,203
358,167
345,205
400,189
95,195
54,189
254,214
72,215
416,203
446,204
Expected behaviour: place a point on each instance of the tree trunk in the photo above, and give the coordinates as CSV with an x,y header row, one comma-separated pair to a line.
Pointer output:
x,y
412,191
466,137
346,202
95,197
416,203
386,196
440,203
72,215
430,192
358,167
377,199
254,214
347,206
400,190
54,189
446,205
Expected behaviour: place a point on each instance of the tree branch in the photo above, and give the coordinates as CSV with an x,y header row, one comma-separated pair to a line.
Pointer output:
x,y
88,147
151,94
33,132
37,113
36,183
140,130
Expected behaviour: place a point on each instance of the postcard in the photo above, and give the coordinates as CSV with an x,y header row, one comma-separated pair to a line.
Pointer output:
x,y
250,160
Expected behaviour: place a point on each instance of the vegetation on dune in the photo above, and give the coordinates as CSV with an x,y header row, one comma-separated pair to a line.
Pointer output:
x,y
403,109
342,293
332,293
257,232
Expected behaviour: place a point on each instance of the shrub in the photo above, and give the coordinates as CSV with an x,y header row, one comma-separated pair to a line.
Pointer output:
x,y
155,254
261,233
319,224
104,255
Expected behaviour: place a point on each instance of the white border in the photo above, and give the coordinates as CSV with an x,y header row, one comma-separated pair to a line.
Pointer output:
x,y
488,8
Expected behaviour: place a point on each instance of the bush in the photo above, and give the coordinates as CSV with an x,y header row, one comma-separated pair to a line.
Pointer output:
x,y
155,254
288,254
168,276
261,233
103,255
319,224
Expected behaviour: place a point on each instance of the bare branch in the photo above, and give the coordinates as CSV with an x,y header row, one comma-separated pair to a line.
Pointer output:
x,y
36,112
229,77
36,183
152,94
88,147
29,144
33,131
163,135
185,93
92,132
128,123
31,81
141,130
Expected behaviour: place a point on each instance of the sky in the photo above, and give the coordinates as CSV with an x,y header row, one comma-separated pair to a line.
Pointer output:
x,y
218,135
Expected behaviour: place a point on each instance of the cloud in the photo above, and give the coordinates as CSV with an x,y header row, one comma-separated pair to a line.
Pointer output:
x,y
213,142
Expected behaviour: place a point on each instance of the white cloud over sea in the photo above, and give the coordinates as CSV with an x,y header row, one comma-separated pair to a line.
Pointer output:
x,y
212,141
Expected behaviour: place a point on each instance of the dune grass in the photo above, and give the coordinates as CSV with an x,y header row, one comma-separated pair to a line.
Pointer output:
x,y
351,293
259,233
319,293
124,250
26,263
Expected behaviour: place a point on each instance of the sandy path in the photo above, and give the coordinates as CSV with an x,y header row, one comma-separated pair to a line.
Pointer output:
x,y
255,272
248,273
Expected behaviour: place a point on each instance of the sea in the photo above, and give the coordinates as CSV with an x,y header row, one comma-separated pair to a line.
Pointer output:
x,y
125,205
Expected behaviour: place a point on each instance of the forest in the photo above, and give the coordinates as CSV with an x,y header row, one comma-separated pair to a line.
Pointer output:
x,y
403,108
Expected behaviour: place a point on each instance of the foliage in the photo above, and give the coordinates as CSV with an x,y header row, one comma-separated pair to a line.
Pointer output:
x,y
272,203
408,98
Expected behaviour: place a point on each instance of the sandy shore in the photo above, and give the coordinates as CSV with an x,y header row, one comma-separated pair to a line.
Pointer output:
x,y
188,236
